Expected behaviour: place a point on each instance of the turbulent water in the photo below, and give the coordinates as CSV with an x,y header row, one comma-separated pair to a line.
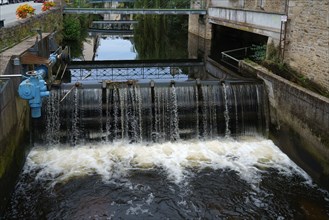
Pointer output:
x,y
222,178
168,153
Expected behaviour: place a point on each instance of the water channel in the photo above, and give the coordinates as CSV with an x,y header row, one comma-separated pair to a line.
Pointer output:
x,y
225,168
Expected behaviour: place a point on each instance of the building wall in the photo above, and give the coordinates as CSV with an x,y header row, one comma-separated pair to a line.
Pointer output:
x,y
265,5
307,36
277,6
307,48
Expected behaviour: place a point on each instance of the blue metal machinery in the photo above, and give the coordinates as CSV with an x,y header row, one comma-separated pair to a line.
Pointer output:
x,y
34,87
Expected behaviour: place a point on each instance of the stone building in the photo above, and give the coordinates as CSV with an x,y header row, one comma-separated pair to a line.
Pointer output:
x,y
300,28
307,42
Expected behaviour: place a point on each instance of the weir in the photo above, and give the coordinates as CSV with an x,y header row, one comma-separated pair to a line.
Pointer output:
x,y
155,111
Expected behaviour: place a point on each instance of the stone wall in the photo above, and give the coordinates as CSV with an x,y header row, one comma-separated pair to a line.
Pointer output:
x,y
48,21
266,5
307,48
14,112
275,6
14,129
198,24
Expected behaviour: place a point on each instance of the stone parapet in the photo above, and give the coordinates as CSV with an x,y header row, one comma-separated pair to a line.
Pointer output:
x,y
16,32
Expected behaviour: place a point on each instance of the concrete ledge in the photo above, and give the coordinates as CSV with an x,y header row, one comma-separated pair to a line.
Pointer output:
x,y
259,22
304,113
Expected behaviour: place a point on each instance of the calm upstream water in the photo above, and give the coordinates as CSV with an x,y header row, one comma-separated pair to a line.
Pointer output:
x,y
218,176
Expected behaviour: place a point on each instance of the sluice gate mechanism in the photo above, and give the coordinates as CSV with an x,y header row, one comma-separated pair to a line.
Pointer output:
x,y
34,87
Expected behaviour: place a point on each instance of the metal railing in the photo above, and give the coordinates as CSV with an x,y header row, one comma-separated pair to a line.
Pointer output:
x,y
137,7
134,69
233,57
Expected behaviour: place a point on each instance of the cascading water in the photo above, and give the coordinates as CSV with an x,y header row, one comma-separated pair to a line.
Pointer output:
x,y
168,151
161,113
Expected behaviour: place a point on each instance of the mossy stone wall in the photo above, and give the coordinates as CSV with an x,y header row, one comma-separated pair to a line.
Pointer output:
x,y
47,22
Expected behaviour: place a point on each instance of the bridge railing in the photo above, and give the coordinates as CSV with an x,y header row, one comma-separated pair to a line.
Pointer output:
x,y
134,70
139,4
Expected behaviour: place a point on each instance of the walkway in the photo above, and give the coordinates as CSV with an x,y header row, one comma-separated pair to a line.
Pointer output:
x,y
133,11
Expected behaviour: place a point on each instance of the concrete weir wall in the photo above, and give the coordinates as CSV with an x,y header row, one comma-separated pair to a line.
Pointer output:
x,y
300,118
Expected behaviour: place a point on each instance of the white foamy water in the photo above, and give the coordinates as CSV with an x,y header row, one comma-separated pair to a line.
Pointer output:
x,y
249,157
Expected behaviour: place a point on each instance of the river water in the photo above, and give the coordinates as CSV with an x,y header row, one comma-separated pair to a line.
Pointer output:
x,y
242,178
222,177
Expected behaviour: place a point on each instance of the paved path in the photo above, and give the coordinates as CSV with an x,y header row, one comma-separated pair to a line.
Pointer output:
x,y
8,12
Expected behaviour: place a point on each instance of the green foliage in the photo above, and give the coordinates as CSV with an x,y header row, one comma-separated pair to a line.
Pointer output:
x,y
161,37
75,32
162,4
259,52
273,53
72,27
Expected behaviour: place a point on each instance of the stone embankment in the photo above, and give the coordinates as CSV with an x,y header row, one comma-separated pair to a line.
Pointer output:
x,y
299,121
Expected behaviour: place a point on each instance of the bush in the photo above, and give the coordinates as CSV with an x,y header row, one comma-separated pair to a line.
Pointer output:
x,y
259,52
72,28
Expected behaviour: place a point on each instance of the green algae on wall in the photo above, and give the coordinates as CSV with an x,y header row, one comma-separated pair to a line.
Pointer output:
x,y
13,150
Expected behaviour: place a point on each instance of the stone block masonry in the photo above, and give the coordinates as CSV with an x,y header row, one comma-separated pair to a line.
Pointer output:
x,y
307,45
274,6
48,21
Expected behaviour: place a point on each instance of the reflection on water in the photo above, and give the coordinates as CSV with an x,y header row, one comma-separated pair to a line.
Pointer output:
x,y
109,48
219,178
115,48
161,37
155,37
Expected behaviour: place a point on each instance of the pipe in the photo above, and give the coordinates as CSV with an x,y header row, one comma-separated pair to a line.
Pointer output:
x,y
11,76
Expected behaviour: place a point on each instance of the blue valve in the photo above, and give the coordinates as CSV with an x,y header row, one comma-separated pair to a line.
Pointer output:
x,y
33,89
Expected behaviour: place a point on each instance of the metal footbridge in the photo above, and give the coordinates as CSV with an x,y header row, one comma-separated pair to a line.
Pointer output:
x,y
174,7
123,70
133,11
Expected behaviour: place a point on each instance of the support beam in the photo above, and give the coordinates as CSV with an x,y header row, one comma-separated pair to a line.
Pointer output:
x,y
116,22
134,63
133,11
264,23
